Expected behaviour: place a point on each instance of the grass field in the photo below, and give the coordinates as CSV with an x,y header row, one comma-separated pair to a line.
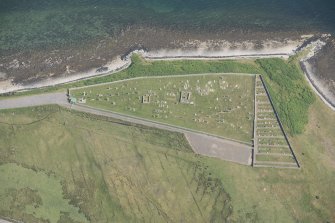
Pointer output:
x,y
282,195
34,194
115,172
112,172
290,92
217,104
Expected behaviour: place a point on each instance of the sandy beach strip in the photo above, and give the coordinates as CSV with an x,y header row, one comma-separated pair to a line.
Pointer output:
x,y
224,53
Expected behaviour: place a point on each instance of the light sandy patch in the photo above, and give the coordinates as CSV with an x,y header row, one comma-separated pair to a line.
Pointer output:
x,y
220,148
226,50
6,86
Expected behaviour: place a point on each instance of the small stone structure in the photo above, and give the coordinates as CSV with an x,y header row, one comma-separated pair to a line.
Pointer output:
x,y
146,99
185,97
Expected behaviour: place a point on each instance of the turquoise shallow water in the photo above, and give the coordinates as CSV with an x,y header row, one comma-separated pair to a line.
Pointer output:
x,y
27,24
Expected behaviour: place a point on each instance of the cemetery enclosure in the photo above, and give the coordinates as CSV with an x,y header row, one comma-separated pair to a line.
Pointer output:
x,y
220,104
271,146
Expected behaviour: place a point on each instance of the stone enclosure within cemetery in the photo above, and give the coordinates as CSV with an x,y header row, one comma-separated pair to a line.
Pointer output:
x,y
218,104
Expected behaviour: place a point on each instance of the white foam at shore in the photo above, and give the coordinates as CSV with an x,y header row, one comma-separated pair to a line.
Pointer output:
x,y
227,50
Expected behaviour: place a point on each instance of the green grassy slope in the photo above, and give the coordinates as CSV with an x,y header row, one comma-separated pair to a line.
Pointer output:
x,y
111,171
282,195
289,91
33,195
141,68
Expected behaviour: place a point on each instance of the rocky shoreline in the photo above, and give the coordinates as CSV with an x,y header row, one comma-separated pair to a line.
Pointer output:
x,y
189,50
322,86
317,86
30,66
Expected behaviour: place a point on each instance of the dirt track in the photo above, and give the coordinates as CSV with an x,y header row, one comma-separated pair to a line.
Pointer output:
x,y
4,221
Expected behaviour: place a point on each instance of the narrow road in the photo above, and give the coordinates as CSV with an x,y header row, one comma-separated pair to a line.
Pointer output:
x,y
202,143
35,100
4,221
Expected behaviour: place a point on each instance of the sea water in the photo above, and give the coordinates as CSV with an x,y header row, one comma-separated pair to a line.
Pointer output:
x,y
28,24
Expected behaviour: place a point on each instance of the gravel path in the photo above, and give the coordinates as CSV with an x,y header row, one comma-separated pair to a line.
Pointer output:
x,y
34,100
4,221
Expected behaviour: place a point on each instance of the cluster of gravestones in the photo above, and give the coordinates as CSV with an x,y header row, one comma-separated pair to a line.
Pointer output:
x,y
225,103
272,147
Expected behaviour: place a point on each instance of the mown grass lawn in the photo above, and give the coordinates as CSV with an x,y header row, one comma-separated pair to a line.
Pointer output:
x,y
220,104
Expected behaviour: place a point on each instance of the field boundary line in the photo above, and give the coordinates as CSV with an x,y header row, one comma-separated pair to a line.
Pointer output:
x,y
255,138
232,57
275,166
161,76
